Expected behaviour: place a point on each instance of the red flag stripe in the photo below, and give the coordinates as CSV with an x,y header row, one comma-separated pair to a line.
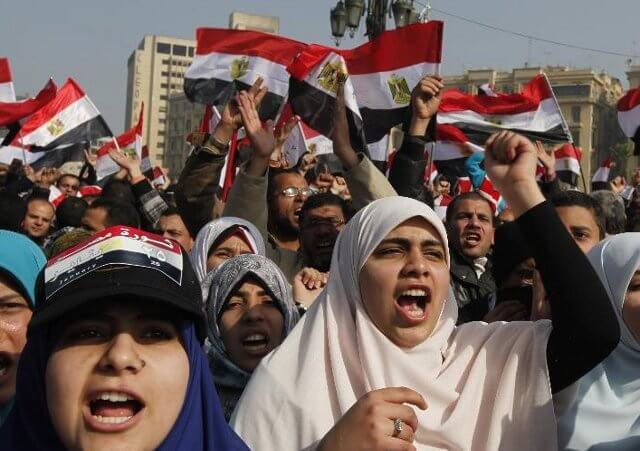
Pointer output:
x,y
5,70
13,112
630,100
126,139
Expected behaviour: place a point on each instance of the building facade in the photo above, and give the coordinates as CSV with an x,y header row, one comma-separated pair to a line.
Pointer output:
x,y
587,100
183,117
633,75
155,71
244,21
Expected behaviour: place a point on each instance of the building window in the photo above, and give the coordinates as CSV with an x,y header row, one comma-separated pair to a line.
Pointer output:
x,y
161,146
165,61
163,97
162,47
161,132
165,73
188,125
163,85
572,91
162,121
162,109
575,133
180,50
191,52
575,114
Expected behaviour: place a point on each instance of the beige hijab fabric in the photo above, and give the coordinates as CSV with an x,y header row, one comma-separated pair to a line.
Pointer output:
x,y
487,385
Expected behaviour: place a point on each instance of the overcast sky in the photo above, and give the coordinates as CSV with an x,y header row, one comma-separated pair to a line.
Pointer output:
x,y
91,40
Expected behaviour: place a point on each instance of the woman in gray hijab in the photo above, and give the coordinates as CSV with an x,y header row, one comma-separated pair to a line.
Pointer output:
x,y
222,239
250,311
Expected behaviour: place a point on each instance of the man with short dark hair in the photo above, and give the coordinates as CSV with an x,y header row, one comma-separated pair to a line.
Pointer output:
x,y
38,219
470,226
172,226
70,211
103,213
68,184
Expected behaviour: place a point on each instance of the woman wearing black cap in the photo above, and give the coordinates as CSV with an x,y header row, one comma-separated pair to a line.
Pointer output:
x,y
113,358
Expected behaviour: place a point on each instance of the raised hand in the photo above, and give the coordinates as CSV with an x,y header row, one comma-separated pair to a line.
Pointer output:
x,y
341,141
510,161
369,424
307,285
231,113
90,158
129,164
425,101
548,160
285,131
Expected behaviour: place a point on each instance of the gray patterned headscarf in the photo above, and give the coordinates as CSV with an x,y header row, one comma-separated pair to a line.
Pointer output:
x,y
220,284
212,232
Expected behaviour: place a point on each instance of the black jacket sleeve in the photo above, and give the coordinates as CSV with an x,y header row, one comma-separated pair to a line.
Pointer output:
x,y
407,172
585,328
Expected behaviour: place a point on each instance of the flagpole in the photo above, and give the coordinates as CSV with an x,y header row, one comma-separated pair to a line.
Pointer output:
x,y
566,129
24,152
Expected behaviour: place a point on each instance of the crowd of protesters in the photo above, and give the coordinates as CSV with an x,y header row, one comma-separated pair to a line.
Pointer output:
x,y
325,306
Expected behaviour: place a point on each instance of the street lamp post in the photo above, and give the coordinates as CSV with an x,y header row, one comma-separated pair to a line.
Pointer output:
x,y
347,14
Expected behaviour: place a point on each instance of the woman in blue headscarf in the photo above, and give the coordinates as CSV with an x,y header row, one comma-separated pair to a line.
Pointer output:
x,y
20,262
114,354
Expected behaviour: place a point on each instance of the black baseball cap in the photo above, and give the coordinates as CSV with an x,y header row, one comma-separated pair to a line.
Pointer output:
x,y
119,262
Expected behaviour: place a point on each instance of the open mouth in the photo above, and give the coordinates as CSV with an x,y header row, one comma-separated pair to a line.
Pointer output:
x,y
114,408
471,238
296,212
326,244
412,304
256,343
5,364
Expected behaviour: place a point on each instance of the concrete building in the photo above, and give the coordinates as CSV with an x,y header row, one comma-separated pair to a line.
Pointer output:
x,y
633,75
587,100
155,70
183,117
244,21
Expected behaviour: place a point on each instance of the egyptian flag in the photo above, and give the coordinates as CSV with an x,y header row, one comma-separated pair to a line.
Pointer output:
x,y
450,150
302,139
568,163
208,124
7,93
12,112
315,76
70,118
385,70
228,61
600,179
105,166
629,117
533,113
157,177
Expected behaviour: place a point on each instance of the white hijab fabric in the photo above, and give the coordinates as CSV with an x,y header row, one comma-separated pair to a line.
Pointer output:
x,y
487,385
602,410
211,232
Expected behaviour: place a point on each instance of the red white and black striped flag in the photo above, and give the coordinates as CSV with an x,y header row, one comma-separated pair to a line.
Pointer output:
x,y
568,163
629,117
302,139
600,179
534,113
12,111
70,118
105,165
228,61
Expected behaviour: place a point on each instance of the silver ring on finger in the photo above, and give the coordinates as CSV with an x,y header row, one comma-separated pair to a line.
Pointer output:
x,y
398,425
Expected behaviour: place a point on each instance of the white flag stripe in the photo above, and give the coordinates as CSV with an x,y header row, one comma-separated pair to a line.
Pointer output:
x,y
629,121
369,87
544,118
9,153
568,164
451,150
77,113
7,93
601,174
379,151
218,66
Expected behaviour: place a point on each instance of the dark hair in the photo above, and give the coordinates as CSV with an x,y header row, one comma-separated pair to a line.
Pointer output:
x,y
70,211
68,175
118,213
120,191
580,199
170,211
12,211
271,180
321,200
472,195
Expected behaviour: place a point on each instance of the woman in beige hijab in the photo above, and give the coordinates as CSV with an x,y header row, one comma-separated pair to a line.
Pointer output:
x,y
377,363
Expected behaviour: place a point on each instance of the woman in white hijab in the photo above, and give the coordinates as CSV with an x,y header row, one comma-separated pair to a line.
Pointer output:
x,y
222,239
602,410
382,338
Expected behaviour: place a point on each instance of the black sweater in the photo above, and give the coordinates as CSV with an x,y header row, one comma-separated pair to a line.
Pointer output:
x,y
585,328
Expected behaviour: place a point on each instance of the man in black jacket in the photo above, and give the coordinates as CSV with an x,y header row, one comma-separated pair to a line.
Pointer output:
x,y
470,225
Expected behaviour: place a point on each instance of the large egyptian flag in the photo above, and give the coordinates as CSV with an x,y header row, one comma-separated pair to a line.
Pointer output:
x,y
629,117
534,113
450,150
228,61
132,138
70,118
7,92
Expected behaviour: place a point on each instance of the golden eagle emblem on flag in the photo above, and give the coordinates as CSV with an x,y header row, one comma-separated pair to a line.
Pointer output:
x,y
55,127
331,74
495,120
239,67
400,92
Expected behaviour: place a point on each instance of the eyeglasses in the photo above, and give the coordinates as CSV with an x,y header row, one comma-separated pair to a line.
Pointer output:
x,y
293,191
317,222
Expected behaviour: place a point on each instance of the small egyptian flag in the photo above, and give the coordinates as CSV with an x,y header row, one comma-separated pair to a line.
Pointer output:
x,y
629,117
7,92
568,163
600,179
105,165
